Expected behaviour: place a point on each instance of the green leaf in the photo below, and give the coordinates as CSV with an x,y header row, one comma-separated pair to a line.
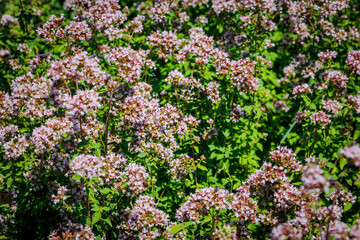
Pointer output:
x,y
347,207
213,155
95,208
107,220
142,155
22,130
330,165
236,185
207,219
356,134
227,164
105,190
83,143
106,208
220,156
253,162
201,167
343,162
65,136
287,133
76,177
96,147
196,149
9,182
96,217
220,27
181,226
224,181
226,133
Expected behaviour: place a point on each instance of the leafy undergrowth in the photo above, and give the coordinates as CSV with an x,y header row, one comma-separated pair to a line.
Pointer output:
x,y
192,119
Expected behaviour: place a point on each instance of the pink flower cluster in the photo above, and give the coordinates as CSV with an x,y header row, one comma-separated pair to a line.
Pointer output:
x,y
6,19
78,69
354,102
53,29
181,166
336,78
101,14
301,89
353,61
166,43
143,221
352,153
206,201
286,158
16,147
313,179
242,75
75,231
332,106
46,137
177,79
236,112
87,166
212,91
325,56
131,179
33,93
82,103
128,61
154,126
320,118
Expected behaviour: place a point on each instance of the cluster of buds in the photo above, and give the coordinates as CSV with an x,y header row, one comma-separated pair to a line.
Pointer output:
x,y
87,166
264,180
6,19
154,126
177,79
200,46
24,48
32,92
101,14
60,196
244,207
160,9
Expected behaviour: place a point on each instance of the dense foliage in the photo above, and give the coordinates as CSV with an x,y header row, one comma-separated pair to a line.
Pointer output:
x,y
180,119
